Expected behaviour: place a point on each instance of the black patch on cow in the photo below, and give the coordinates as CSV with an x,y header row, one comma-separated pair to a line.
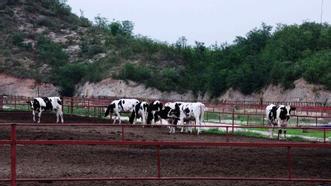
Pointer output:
x,y
136,109
120,104
176,112
283,114
36,105
59,102
110,109
153,107
163,113
186,111
48,102
272,114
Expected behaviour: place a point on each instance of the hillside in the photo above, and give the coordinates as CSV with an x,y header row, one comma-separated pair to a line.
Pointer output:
x,y
44,41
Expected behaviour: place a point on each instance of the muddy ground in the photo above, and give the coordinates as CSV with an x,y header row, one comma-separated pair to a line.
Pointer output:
x,y
106,161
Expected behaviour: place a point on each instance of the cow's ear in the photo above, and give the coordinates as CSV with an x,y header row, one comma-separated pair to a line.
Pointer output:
x,y
293,108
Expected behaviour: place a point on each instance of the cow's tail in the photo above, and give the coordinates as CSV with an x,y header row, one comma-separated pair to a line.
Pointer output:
x,y
110,109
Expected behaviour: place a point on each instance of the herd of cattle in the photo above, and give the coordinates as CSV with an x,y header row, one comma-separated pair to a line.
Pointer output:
x,y
150,113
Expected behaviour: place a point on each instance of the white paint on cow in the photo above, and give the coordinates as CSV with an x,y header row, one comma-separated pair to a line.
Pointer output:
x,y
41,104
120,106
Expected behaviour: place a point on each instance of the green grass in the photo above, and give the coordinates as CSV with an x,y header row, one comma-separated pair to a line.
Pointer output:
x,y
249,134
299,132
24,107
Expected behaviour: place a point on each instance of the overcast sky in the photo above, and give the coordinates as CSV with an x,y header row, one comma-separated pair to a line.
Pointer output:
x,y
207,21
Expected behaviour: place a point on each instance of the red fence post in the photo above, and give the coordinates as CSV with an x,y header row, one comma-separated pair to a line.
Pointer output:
x,y
71,105
232,120
13,155
219,117
227,134
316,121
324,135
1,103
15,102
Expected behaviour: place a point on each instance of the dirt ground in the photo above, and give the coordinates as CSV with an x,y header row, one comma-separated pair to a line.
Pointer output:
x,y
106,161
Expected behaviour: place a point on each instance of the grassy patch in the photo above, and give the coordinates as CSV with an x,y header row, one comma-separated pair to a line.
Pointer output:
x,y
237,133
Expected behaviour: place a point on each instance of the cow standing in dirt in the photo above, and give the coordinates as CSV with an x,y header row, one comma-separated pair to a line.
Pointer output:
x,y
119,106
278,116
41,104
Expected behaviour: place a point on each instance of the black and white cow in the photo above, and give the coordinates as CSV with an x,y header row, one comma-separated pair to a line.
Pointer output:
x,y
40,104
152,112
119,106
278,116
162,113
140,111
187,112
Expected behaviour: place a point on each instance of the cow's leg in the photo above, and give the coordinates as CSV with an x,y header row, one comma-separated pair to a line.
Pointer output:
x,y
197,122
116,115
189,128
33,116
182,125
143,117
57,116
170,127
279,132
61,115
271,131
39,116
119,119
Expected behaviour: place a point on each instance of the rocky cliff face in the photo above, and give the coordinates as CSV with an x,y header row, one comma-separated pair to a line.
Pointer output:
x,y
119,88
109,87
303,91
10,85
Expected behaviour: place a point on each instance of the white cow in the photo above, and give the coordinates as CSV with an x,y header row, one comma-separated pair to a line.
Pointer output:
x,y
120,105
278,116
40,104
189,111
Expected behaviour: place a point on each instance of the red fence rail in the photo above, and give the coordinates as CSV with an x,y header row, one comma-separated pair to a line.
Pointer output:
x,y
104,101
13,142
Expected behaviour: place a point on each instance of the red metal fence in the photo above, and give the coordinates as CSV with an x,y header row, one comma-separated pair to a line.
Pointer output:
x,y
13,142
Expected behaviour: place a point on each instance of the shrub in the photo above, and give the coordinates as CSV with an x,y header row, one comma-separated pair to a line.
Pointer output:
x,y
17,38
50,52
68,76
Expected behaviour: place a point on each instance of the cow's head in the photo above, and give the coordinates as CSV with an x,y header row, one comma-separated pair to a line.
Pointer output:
x,y
110,109
285,112
30,103
34,105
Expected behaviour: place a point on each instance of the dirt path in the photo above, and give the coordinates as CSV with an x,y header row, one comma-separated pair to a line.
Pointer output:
x,y
98,161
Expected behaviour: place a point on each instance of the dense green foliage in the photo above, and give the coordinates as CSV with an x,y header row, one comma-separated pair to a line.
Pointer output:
x,y
251,63
264,56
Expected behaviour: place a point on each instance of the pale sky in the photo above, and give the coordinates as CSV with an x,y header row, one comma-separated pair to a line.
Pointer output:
x,y
207,21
